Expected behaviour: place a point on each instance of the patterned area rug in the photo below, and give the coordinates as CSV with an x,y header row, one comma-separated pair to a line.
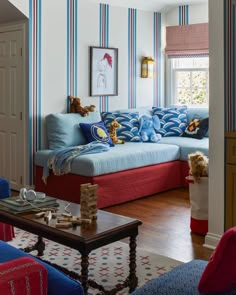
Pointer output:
x,y
108,265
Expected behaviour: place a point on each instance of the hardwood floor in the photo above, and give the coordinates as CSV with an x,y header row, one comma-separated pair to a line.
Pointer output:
x,y
165,229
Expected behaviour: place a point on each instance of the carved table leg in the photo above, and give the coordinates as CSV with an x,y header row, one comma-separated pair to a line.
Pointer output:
x,y
39,246
132,264
84,273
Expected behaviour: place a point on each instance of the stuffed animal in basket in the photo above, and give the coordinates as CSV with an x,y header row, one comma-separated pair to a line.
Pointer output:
x,y
148,127
113,126
198,164
75,106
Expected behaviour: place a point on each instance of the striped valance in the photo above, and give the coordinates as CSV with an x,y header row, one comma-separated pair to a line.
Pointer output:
x,y
187,40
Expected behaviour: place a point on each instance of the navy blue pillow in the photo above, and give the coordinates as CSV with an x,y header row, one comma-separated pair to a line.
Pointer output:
x,y
197,128
173,120
96,132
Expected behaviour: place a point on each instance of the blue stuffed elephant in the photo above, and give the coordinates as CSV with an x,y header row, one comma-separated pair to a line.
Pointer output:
x,y
148,127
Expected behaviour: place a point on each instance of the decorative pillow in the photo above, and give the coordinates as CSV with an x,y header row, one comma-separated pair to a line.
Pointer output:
x,y
129,122
220,272
63,129
173,120
96,132
197,128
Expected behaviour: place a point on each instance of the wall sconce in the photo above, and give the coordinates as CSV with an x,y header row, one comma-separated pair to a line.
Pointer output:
x,y
147,67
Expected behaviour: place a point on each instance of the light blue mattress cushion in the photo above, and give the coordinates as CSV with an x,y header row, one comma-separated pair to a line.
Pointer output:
x,y
187,145
63,129
121,157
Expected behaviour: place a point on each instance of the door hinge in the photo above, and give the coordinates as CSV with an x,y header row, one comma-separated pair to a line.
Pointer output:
x,y
21,116
21,51
21,180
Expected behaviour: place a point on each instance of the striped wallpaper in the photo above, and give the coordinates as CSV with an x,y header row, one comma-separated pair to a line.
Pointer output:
x,y
158,59
72,82
229,61
35,34
72,49
132,57
104,42
183,15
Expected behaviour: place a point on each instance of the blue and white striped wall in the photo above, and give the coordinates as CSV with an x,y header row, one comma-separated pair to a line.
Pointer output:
x,y
59,57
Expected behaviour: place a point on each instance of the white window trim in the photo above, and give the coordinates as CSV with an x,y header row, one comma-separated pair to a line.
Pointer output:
x,y
170,83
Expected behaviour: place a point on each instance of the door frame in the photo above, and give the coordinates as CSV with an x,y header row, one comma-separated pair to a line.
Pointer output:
x,y
23,27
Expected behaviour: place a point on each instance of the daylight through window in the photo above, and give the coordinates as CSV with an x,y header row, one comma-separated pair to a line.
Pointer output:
x,y
190,81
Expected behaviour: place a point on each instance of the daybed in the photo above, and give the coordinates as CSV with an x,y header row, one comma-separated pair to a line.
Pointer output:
x,y
125,172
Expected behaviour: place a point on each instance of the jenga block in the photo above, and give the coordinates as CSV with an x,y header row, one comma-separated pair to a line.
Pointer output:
x,y
66,214
40,214
48,216
63,225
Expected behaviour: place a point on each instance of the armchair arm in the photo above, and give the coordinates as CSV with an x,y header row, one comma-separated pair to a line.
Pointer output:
x,y
24,274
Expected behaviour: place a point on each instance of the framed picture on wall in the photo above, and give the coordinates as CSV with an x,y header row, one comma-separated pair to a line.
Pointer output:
x,y
103,71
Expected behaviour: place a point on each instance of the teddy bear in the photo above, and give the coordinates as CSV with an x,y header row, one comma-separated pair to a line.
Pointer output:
x,y
75,106
90,108
148,127
198,164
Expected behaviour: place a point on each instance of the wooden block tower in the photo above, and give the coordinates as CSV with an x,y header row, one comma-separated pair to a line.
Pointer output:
x,y
88,201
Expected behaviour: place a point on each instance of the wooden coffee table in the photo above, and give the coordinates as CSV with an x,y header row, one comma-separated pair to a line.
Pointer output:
x,y
108,228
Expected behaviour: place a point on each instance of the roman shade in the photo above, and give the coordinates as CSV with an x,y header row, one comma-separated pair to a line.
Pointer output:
x,y
187,40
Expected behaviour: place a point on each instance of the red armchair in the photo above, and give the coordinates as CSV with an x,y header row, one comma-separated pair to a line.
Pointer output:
x,y
23,276
6,231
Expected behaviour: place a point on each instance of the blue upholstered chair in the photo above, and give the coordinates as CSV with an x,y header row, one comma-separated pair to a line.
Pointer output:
x,y
218,276
57,282
182,280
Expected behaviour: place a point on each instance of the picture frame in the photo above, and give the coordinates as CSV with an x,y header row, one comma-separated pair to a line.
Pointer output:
x,y
103,71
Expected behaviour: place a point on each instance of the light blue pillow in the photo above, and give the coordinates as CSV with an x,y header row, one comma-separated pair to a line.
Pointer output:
x,y
129,122
96,132
62,129
173,120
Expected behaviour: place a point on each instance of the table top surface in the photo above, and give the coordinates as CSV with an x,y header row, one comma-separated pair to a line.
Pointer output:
x,y
107,226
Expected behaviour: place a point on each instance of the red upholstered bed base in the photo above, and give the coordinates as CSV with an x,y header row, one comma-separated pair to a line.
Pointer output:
x,y
119,187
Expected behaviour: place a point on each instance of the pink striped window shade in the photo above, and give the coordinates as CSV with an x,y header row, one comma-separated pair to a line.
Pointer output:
x,y
187,40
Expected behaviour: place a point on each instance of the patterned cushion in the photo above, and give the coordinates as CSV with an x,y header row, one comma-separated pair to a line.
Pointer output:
x,y
197,128
129,122
173,120
96,132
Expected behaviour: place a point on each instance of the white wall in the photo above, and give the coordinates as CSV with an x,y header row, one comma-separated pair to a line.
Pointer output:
x,y
54,54
197,14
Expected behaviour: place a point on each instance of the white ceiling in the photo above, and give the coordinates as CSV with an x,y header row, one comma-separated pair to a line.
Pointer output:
x,y
9,13
150,5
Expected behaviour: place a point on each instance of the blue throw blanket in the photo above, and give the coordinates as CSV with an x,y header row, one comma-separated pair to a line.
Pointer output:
x,y
60,160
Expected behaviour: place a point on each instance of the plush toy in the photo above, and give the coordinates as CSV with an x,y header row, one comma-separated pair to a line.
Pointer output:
x,y
75,106
113,126
198,164
90,108
148,127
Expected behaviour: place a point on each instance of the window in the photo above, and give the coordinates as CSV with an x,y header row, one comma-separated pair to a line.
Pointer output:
x,y
189,81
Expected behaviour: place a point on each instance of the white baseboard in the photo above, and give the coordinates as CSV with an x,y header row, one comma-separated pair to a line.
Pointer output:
x,y
211,240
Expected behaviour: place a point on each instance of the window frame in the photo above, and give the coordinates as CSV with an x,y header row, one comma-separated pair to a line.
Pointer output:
x,y
172,82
